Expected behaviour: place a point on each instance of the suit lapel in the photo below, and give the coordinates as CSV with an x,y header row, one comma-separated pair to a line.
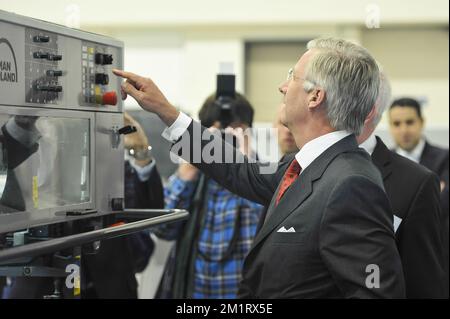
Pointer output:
x,y
426,158
381,157
296,194
301,189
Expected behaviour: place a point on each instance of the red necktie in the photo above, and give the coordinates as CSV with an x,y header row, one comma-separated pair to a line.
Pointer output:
x,y
289,177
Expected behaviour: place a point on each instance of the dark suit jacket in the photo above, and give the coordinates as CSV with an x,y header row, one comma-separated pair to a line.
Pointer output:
x,y
413,191
435,159
341,216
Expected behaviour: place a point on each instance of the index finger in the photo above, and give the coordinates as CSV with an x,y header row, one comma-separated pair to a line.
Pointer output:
x,y
127,75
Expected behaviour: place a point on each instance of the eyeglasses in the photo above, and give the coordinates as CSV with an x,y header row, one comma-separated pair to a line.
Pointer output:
x,y
291,76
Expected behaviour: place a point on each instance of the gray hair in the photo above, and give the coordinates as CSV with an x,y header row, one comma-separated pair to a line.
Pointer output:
x,y
350,77
384,97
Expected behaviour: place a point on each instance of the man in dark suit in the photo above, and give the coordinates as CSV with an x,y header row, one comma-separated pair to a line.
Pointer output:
x,y
413,191
328,232
406,125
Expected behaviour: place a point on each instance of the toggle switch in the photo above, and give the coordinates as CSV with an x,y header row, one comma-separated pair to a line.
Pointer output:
x,y
41,87
49,88
55,88
41,38
54,73
40,55
54,57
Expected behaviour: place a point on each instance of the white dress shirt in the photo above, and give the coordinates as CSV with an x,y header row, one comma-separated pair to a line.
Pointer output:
x,y
309,152
314,148
369,144
415,154
174,132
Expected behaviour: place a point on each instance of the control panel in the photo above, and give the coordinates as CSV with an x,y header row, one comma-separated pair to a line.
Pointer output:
x,y
95,64
48,65
61,152
41,68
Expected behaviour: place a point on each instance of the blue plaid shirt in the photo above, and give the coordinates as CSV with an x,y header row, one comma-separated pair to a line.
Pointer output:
x,y
215,276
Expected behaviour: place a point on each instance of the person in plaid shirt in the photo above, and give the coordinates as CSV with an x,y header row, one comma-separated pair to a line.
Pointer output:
x,y
208,256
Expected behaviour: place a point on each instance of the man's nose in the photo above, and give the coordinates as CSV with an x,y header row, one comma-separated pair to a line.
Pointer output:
x,y
403,129
282,88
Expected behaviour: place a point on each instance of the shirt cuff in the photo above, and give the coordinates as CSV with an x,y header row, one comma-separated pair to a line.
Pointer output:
x,y
143,173
174,132
179,188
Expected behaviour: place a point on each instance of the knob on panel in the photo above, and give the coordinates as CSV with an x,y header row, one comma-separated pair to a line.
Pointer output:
x,y
41,38
40,55
54,73
54,57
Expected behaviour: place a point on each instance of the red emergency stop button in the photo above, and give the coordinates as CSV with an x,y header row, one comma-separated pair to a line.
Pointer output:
x,y
109,98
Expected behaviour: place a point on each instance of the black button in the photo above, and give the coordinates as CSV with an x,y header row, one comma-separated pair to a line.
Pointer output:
x,y
101,78
101,58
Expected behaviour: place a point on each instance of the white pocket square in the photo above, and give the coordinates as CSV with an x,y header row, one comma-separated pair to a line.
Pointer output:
x,y
284,230
397,221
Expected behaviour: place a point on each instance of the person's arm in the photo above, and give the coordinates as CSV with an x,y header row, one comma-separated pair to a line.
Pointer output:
x,y
253,181
420,244
231,169
177,194
356,241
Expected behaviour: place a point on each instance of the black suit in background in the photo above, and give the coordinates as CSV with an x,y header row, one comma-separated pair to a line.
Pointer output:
x,y
436,159
341,217
414,194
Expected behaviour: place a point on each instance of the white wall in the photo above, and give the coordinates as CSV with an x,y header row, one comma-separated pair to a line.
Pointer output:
x,y
153,12
202,58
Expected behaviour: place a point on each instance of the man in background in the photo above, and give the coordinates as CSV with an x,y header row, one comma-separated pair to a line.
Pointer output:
x,y
413,191
406,124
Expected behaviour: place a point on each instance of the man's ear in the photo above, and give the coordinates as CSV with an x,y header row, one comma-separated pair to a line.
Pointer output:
x,y
316,97
422,120
371,115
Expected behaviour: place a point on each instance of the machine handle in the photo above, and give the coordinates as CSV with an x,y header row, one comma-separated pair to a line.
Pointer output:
x,y
45,247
